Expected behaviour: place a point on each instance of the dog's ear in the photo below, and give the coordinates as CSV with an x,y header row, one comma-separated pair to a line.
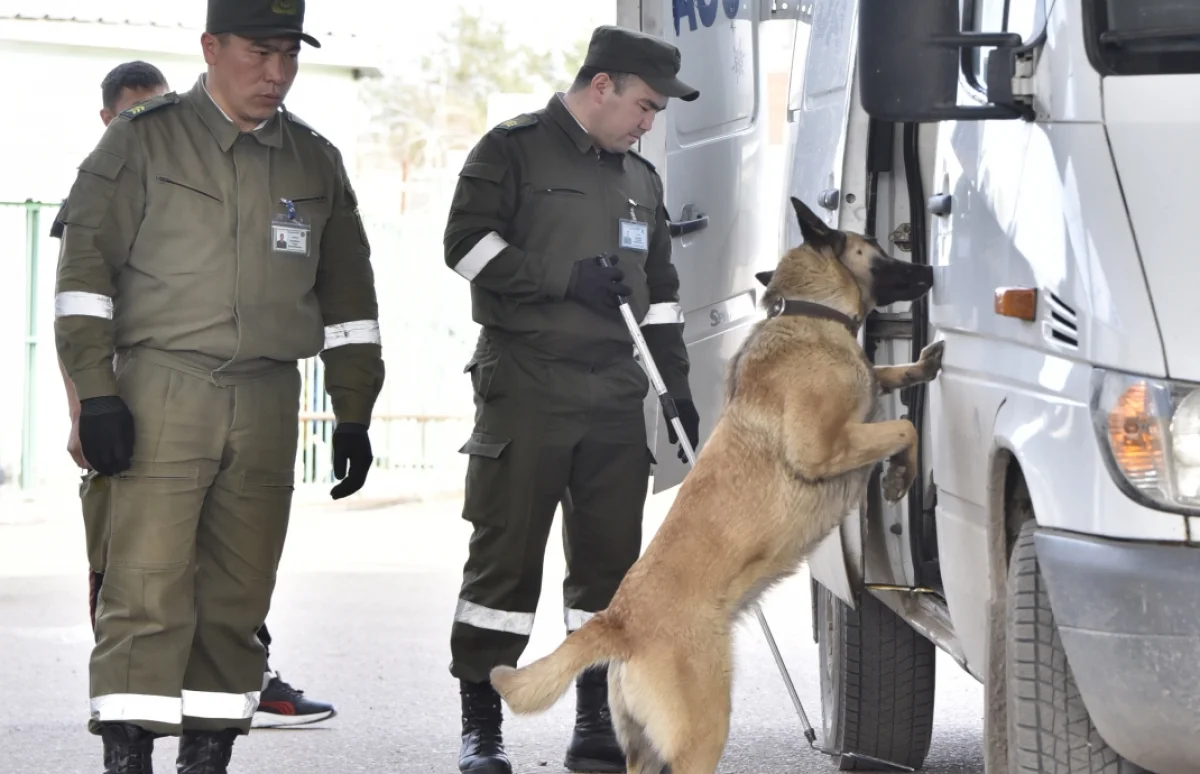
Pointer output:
x,y
815,232
765,277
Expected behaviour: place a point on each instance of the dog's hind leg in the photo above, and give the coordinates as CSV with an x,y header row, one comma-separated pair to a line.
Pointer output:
x,y
640,755
704,724
689,721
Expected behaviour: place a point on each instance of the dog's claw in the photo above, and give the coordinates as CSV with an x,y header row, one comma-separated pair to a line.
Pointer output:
x,y
896,482
931,358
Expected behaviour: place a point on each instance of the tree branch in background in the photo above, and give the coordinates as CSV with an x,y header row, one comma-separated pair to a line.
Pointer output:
x,y
442,107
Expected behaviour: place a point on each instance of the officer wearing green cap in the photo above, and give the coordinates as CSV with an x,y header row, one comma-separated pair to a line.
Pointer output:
x,y
212,241
559,396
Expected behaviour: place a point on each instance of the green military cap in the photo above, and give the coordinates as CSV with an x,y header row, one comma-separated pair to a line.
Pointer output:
x,y
651,58
258,19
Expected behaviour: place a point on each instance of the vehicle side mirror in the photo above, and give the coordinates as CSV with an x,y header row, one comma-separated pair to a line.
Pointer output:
x,y
908,63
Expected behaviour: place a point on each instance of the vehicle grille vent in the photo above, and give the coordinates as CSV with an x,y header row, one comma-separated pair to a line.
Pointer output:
x,y
1061,326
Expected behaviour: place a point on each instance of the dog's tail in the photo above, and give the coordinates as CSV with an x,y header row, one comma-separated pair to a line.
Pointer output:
x,y
537,686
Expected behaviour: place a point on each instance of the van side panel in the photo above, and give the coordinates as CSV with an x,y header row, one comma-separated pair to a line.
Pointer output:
x,y
1020,193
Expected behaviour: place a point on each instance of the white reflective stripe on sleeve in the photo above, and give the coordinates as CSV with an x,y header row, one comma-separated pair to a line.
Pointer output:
x,y
137,706
662,314
576,618
497,620
359,332
220,706
481,255
74,303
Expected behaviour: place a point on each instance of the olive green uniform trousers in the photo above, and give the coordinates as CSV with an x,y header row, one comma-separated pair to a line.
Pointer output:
x,y
195,529
93,496
547,430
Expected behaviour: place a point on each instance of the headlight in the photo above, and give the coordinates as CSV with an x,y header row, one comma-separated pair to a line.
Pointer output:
x,y
1150,432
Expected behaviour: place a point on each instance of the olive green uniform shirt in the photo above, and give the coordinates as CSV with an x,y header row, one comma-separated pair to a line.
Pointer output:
x,y
536,195
172,242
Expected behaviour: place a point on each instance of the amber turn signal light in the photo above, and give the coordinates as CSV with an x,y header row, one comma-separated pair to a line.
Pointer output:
x,y
1020,303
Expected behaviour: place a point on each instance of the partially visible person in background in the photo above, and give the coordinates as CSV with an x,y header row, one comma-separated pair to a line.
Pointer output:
x,y
280,704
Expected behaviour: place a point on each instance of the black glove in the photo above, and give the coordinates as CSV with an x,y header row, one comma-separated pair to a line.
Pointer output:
x,y
691,425
597,286
350,444
106,434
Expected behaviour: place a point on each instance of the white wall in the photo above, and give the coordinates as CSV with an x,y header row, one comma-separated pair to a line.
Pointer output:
x,y
53,94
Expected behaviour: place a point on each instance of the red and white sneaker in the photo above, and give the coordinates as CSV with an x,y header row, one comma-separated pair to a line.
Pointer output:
x,y
281,705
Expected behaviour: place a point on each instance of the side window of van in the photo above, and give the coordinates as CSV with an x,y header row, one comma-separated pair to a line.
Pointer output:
x,y
1022,18
1017,16
799,57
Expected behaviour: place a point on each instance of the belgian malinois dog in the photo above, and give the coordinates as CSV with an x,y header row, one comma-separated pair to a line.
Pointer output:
x,y
789,457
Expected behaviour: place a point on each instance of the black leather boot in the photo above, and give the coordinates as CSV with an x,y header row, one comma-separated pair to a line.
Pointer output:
x,y
482,749
205,752
128,749
594,746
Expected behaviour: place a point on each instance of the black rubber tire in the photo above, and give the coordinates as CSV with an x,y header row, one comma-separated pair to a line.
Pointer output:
x,y
1049,728
877,681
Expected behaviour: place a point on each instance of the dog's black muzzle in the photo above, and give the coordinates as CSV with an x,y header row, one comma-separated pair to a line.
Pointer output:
x,y
894,280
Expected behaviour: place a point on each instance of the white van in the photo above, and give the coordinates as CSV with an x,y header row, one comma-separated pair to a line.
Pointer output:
x,y
1039,154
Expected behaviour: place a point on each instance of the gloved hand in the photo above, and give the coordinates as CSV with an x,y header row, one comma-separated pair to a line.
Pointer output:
x,y
106,434
597,286
352,445
690,419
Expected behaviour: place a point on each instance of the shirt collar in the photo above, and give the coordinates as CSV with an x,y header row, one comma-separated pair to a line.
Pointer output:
x,y
575,130
268,132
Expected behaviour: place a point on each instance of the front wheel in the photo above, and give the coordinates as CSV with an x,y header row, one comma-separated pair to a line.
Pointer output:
x,y
877,679
1049,728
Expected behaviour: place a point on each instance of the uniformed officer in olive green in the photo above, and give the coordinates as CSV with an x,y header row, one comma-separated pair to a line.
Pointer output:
x,y
559,396
212,241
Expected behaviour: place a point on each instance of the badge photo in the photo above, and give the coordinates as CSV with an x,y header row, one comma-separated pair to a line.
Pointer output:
x,y
635,235
289,234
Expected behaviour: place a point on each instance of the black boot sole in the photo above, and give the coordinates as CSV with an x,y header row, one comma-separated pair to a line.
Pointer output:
x,y
593,766
488,768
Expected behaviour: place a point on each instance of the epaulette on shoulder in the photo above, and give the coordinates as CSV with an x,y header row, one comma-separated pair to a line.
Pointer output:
x,y
154,103
298,121
643,159
522,121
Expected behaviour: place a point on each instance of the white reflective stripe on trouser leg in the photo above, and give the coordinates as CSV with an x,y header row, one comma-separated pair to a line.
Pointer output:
x,y
497,620
75,303
220,706
480,255
357,332
663,314
137,706
576,618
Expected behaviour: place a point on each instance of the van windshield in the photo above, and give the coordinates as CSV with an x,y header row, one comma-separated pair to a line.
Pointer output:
x,y
1140,37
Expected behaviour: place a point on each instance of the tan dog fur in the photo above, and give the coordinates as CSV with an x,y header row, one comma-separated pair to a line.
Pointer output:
x,y
787,460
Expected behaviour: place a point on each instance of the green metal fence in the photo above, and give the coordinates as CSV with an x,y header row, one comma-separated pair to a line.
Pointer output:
x,y
33,221
421,418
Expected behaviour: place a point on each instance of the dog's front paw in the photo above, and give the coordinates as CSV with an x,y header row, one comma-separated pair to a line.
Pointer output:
x,y
931,359
896,481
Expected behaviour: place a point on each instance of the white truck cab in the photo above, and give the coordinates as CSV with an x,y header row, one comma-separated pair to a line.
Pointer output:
x,y
1042,157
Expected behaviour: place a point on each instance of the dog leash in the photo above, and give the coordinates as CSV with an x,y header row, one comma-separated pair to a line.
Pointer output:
x,y
671,413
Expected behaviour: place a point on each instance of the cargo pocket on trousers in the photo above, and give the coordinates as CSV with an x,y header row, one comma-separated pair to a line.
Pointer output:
x,y
482,369
486,499
152,513
266,497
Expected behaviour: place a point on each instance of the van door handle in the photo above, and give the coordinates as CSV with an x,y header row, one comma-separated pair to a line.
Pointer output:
x,y
692,222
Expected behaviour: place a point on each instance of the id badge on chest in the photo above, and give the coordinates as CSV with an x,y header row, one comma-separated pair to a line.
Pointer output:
x,y
289,234
635,236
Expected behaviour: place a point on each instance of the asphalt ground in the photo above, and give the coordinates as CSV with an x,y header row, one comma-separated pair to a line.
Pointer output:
x,y
361,618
